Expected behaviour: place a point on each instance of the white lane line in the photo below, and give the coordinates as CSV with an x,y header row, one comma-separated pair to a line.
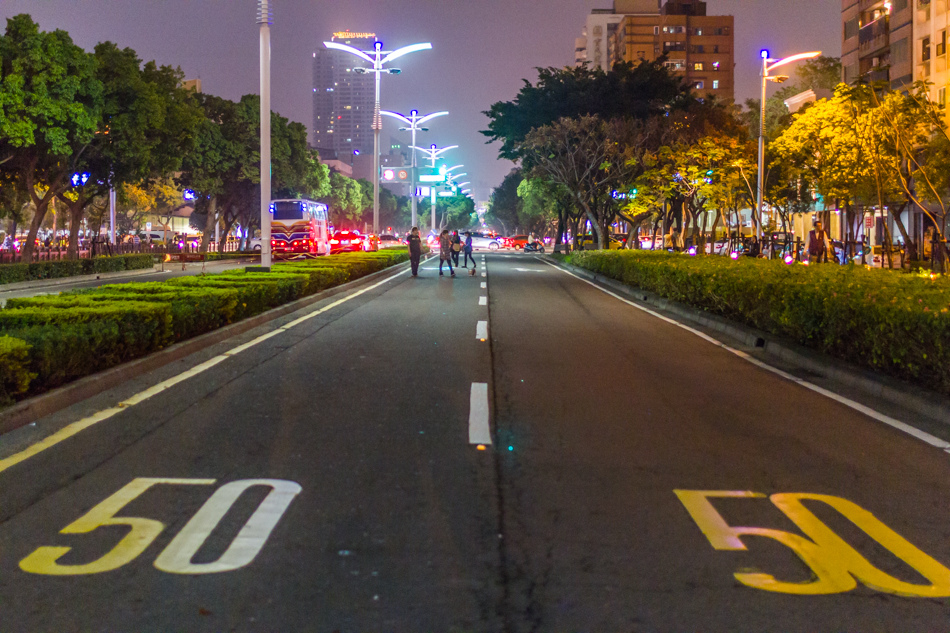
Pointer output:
x,y
484,274
857,406
478,428
80,425
484,284
481,331
483,301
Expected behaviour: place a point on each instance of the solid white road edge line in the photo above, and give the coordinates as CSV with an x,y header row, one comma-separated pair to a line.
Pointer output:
x,y
80,425
483,301
857,406
478,429
481,331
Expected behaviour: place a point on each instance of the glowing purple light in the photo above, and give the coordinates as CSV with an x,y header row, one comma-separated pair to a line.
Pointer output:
x,y
789,259
734,255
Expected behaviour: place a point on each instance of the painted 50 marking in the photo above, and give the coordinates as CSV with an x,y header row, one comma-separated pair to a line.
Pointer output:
x,y
176,557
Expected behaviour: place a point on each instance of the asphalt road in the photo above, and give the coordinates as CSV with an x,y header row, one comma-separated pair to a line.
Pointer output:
x,y
324,473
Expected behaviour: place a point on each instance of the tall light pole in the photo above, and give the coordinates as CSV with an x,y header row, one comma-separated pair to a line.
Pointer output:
x,y
265,18
766,69
377,59
414,121
432,154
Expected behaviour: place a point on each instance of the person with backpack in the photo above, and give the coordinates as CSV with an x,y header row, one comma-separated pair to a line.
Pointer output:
x,y
456,247
468,251
445,252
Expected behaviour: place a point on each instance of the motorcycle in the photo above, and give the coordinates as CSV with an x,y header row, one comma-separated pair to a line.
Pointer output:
x,y
534,247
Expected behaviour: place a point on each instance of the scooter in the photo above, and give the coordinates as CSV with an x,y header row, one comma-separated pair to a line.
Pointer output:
x,y
534,247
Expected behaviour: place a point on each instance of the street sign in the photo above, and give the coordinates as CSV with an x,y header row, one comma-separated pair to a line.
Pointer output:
x,y
148,226
395,174
431,178
446,194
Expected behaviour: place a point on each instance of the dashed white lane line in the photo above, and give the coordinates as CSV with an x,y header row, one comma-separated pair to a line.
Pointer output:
x,y
484,274
857,406
484,284
483,301
479,431
80,425
481,331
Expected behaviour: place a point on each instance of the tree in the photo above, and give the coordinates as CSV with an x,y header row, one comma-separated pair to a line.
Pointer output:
x,y
542,205
504,206
627,91
53,105
346,200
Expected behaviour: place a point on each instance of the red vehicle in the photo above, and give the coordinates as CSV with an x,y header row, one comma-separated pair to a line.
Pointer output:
x,y
347,242
517,241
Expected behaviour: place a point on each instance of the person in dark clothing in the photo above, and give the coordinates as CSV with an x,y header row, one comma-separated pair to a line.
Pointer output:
x,y
817,244
415,250
456,247
468,251
445,252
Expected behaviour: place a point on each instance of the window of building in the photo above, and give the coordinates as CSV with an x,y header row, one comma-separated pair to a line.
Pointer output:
x,y
696,48
715,66
698,85
715,84
898,5
851,28
674,46
656,30
675,65
942,43
942,97
698,66
900,51
925,49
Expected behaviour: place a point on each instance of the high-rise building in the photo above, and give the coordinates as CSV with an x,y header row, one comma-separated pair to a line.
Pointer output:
x,y
930,48
698,46
878,40
343,100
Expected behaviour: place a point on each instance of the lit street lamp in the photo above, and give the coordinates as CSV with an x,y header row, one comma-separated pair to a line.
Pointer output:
x,y
766,69
432,154
414,121
377,59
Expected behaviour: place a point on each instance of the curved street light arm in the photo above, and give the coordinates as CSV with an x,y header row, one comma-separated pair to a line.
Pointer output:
x,y
350,50
396,115
405,50
430,116
793,58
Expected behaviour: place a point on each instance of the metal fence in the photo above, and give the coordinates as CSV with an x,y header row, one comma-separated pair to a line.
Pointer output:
x,y
99,249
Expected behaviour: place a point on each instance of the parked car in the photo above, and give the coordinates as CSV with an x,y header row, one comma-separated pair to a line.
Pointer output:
x,y
389,241
589,242
485,240
346,242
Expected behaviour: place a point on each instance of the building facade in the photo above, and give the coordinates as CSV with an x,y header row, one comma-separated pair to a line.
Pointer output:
x,y
343,100
698,46
878,41
930,47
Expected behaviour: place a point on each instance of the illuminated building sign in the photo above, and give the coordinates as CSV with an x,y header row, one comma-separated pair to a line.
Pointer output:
x,y
353,36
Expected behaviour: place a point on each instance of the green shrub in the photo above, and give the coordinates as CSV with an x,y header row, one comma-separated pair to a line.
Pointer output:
x,y
15,375
257,292
895,323
11,273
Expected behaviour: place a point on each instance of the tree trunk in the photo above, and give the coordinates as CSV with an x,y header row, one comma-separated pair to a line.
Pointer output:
x,y
210,220
910,249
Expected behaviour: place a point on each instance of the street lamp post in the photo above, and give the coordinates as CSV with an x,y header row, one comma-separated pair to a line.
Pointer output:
x,y
766,69
265,18
414,121
377,59
432,153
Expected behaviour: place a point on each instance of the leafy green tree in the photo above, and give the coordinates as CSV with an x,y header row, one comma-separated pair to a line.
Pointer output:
x,y
346,201
504,206
52,106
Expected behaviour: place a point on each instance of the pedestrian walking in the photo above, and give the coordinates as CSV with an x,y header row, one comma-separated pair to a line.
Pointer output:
x,y
456,247
415,250
817,244
468,251
445,252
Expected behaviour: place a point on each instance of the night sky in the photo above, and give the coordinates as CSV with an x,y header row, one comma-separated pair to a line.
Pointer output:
x,y
482,49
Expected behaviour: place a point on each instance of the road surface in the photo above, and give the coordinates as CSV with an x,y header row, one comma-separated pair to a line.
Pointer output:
x,y
372,464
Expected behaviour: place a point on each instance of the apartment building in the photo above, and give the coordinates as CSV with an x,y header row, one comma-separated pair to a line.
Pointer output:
x,y
878,41
697,45
930,47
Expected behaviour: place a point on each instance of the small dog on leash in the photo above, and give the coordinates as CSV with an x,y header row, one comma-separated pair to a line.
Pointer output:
x,y
471,273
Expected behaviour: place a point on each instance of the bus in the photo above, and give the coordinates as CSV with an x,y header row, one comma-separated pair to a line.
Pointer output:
x,y
299,226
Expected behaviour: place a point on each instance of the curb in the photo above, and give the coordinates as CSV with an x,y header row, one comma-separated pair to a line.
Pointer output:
x,y
898,392
34,408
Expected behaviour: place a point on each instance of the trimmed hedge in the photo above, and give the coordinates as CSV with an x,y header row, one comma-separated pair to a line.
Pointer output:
x,y
898,324
11,273
53,339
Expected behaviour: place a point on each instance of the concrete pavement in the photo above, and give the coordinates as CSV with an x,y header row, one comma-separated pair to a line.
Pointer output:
x,y
319,474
